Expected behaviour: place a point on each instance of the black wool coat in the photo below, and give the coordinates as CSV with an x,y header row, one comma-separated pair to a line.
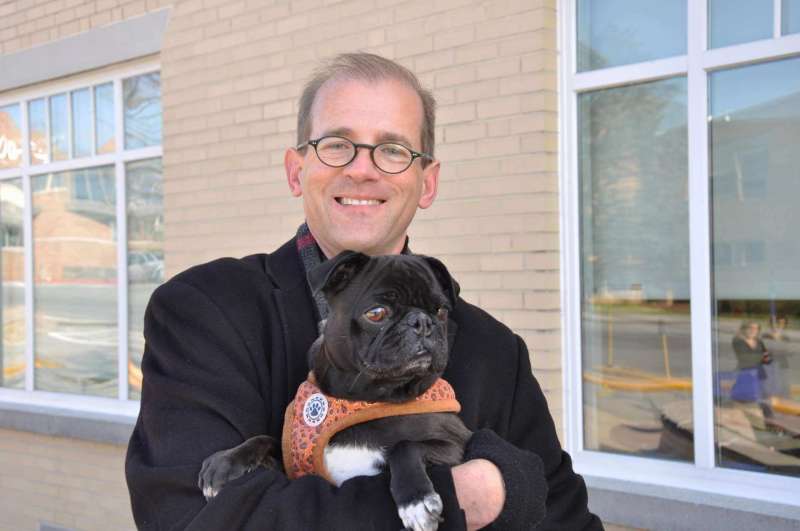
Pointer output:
x,y
225,351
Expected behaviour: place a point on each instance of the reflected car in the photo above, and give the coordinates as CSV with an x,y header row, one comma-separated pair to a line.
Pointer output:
x,y
145,267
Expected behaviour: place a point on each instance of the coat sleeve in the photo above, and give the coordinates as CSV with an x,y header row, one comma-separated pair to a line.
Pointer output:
x,y
531,428
202,392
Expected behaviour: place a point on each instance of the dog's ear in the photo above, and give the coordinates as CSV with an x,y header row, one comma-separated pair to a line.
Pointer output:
x,y
448,284
333,275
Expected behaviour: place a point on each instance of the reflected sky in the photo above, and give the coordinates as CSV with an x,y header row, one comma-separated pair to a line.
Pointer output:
x,y
736,89
619,32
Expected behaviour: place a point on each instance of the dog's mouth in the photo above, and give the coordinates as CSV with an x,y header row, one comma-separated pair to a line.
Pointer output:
x,y
420,365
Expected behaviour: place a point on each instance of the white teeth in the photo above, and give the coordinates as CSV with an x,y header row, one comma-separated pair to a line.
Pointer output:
x,y
351,201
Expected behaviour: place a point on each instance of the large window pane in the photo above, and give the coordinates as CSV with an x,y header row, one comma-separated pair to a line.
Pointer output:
x,y
619,32
790,18
145,255
142,99
755,183
75,293
104,118
59,127
81,123
37,125
635,270
737,21
12,289
10,137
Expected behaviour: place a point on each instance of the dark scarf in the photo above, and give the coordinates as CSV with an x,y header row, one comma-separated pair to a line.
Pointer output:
x,y
311,256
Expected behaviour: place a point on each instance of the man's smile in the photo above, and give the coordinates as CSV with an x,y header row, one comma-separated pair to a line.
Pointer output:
x,y
352,201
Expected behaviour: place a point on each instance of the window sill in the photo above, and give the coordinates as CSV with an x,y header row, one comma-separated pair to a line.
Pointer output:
x,y
84,418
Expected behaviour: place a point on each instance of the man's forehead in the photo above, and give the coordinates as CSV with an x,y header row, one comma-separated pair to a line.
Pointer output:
x,y
341,103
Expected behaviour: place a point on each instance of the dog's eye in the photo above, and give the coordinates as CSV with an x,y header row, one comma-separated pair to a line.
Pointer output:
x,y
376,314
442,314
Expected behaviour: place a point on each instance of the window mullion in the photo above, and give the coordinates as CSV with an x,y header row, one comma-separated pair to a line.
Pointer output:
x,y
122,243
27,230
570,244
699,240
776,12
122,282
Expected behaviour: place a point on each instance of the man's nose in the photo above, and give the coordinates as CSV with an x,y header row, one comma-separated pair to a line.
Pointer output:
x,y
361,167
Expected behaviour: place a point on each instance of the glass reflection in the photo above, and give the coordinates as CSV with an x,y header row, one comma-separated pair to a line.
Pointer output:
x,y
635,270
104,118
10,137
790,17
755,131
37,123
737,21
620,32
145,197
59,127
81,123
75,269
142,101
12,287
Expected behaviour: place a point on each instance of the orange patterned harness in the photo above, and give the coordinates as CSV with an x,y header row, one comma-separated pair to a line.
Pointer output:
x,y
312,418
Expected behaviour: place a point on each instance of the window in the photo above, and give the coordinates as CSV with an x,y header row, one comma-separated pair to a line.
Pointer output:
x,y
81,211
679,178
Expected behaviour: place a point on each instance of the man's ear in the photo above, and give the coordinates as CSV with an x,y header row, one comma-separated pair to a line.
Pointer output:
x,y
448,284
333,275
430,184
293,163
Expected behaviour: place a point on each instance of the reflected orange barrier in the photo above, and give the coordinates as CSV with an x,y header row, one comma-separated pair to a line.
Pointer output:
x,y
134,376
784,405
641,382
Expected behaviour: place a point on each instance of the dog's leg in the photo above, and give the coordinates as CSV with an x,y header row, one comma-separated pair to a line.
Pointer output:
x,y
227,465
418,505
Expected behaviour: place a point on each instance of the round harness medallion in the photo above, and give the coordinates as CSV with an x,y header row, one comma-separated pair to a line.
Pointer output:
x,y
315,409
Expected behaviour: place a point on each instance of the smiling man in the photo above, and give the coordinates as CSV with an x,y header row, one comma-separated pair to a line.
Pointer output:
x,y
226,344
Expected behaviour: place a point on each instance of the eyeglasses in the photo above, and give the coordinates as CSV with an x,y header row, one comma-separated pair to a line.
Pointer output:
x,y
389,157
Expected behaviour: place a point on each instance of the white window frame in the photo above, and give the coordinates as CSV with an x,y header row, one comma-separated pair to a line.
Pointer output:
x,y
121,405
702,475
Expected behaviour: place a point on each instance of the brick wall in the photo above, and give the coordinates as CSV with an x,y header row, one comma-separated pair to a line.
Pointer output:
x,y
232,72
74,484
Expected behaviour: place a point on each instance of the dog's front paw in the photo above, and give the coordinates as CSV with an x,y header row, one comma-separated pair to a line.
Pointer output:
x,y
227,465
219,469
422,514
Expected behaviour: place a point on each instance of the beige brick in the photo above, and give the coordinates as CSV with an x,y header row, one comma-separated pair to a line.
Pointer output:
x,y
542,300
499,106
433,60
454,38
456,113
461,132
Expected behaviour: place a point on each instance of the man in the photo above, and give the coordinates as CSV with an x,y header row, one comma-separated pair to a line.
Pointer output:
x,y
226,343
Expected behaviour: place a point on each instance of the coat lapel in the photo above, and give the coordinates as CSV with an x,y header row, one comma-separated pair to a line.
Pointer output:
x,y
296,313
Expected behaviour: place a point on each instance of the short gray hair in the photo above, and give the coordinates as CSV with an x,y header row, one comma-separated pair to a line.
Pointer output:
x,y
366,67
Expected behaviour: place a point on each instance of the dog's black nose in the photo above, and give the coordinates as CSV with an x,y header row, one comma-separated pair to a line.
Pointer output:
x,y
421,323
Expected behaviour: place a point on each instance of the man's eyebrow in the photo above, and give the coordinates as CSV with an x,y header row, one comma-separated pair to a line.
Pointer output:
x,y
383,136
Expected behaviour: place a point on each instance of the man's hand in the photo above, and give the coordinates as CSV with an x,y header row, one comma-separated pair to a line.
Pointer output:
x,y
480,491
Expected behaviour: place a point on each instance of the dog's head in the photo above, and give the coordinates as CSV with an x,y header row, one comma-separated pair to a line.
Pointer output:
x,y
385,338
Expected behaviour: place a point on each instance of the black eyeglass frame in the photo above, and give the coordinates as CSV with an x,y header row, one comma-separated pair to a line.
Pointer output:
x,y
414,154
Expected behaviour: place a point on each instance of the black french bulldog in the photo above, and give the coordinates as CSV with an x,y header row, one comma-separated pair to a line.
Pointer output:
x,y
385,340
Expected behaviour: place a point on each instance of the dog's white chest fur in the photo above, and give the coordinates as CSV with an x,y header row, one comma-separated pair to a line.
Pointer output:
x,y
345,462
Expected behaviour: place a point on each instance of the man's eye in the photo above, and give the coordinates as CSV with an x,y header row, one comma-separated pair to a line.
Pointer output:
x,y
376,314
336,146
